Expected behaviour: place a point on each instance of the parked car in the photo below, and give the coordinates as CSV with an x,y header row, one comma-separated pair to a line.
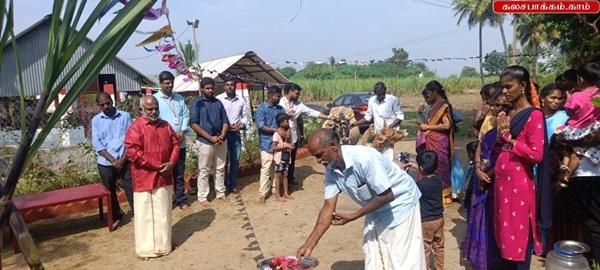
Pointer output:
x,y
358,101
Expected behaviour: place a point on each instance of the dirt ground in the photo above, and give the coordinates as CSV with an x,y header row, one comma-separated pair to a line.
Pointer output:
x,y
232,235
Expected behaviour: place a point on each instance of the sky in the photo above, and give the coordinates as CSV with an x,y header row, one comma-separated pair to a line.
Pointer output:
x,y
280,31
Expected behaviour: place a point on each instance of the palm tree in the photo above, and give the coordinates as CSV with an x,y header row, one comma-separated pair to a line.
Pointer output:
x,y
61,68
480,12
533,32
469,10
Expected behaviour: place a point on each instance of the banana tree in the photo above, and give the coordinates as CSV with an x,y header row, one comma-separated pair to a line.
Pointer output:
x,y
63,41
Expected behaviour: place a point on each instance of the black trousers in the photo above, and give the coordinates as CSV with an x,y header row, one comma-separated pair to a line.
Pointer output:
x,y
292,165
109,176
587,196
178,181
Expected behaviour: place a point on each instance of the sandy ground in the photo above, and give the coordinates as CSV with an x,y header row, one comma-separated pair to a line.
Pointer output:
x,y
232,235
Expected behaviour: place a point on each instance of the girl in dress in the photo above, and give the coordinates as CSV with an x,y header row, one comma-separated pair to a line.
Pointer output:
x,y
584,120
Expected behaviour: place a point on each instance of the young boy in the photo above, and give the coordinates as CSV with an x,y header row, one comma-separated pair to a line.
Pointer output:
x,y
467,190
432,218
282,148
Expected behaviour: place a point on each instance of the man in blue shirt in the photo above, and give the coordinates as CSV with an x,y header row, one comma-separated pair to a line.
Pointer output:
x,y
172,109
267,125
388,196
108,138
210,122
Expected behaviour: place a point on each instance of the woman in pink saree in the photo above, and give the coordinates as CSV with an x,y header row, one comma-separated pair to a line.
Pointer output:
x,y
437,133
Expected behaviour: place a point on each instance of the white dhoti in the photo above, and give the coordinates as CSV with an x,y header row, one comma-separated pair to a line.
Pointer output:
x,y
152,222
399,248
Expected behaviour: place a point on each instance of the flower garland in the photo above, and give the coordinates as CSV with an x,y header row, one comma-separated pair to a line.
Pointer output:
x,y
535,99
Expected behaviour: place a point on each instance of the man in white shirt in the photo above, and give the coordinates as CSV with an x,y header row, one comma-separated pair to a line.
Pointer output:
x,y
383,111
237,113
295,109
388,199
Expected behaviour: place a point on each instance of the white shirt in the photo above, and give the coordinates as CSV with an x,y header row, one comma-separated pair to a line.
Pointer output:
x,y
384,112
369,174
236,109
299,109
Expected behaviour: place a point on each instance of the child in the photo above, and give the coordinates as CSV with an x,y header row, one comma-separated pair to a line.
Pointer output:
x,y
465,195
584,120
282,147
432,210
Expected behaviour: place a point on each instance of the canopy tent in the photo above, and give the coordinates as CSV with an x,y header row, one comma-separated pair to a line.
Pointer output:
x,y
249,67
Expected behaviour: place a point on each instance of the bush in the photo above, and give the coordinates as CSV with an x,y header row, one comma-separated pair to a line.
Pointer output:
x,y
191,157
39,178
468,72
250,151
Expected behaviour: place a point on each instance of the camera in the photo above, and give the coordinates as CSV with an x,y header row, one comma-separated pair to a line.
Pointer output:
x,y
404,157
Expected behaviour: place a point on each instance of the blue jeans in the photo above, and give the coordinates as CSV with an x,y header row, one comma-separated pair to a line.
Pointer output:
x,y
234,149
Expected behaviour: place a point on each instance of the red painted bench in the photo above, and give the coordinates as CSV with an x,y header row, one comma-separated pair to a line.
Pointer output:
x,y
36,201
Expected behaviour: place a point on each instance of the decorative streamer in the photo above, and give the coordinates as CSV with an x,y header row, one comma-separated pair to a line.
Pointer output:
x,y
152,14
161,33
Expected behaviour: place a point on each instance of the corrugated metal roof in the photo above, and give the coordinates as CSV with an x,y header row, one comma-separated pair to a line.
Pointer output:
x,y
33,45
248,65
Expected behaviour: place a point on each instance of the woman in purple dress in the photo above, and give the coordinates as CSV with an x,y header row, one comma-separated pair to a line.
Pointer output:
x,y
479,247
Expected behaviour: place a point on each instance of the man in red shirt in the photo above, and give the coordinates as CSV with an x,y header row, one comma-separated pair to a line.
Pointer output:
x,y
153,150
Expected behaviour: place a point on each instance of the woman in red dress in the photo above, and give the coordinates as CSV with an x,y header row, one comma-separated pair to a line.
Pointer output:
x,y
519,197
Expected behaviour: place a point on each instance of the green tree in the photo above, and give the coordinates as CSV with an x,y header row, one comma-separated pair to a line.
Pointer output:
x,y
533,31
579,35
480,12
331,61
189,53
288,72
468,72
494,62
399,57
